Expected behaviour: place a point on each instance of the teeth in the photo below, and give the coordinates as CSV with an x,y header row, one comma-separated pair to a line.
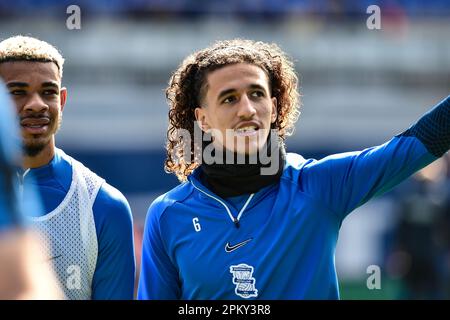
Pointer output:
x,y
35,126
246,129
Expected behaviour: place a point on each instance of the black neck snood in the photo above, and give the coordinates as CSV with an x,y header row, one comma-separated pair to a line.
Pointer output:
x,y
229,180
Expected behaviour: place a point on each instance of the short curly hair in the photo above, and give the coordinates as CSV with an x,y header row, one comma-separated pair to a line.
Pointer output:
x,y
187,84
22,48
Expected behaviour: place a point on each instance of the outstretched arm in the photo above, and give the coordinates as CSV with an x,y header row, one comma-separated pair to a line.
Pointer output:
x,y
345,181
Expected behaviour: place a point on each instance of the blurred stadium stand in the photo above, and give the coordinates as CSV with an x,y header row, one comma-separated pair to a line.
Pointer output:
x,y
360,87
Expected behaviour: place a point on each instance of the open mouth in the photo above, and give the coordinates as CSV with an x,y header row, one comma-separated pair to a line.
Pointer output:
x,y
247,130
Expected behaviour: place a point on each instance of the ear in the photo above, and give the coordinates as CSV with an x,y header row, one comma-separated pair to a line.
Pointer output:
x,y
274,114
63,97
200,116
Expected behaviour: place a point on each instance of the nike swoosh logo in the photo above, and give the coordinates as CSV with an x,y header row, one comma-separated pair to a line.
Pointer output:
x,y
229,248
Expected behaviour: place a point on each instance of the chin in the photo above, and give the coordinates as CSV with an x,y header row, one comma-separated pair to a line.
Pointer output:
x,y
33,147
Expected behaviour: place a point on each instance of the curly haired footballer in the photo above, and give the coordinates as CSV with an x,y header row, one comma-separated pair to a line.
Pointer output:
x,y
234,230
187,88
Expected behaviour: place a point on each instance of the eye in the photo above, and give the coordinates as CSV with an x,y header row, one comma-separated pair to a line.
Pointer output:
x,y
257,94
229,99
17,92
49,92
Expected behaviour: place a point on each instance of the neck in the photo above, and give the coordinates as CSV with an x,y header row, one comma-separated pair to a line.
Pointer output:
x,y
42,158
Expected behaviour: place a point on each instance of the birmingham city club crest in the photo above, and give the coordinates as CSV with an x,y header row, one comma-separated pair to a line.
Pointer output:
x,y
244,281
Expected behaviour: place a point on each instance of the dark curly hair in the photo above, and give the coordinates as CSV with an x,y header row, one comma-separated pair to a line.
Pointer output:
x,y
187,84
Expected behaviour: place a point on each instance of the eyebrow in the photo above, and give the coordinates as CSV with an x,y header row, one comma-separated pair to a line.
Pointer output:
x,y
228,91
224,93
24,84
257,86
17,84
50,84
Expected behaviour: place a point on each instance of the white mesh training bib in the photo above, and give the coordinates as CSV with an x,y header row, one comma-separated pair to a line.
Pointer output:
x,y
69,234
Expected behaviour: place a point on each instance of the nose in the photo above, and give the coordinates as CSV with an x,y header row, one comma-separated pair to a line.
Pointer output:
x,y
246,109
35,104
